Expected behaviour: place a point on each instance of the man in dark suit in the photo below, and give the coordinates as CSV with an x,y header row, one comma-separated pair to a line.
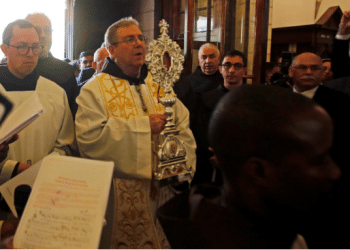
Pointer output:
x,y
232,68
340,53
326,228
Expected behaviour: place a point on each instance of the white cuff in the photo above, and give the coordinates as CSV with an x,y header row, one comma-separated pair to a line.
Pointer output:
x,y
342,37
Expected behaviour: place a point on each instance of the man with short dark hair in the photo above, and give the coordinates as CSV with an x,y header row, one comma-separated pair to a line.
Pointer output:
x,y
232,68
272,147
50,67
86,58
86,70
307,73
119,119
54,129
99,58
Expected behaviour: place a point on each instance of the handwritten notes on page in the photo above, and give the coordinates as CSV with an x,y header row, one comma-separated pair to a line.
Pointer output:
x,y
67,205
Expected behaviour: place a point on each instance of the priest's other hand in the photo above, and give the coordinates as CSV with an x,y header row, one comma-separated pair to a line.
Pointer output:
x,y
22,167
4,147
344,26
158,122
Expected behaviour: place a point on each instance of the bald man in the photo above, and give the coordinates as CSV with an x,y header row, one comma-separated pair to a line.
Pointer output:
x,y
273,153
50,67
206,76
306,73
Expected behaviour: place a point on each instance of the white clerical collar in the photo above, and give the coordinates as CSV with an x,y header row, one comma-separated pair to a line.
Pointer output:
x,y
308,93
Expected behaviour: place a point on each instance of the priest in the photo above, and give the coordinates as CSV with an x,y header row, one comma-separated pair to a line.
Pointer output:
x,y
119,119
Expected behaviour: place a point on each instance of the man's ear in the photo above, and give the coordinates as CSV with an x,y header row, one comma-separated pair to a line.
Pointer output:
x,y
245,70
94,65
4,49
213,160
220,69
291,71
259,171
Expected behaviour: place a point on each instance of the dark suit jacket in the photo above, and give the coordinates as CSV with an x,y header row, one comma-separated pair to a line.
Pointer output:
x,y
340,84
340,58
326,227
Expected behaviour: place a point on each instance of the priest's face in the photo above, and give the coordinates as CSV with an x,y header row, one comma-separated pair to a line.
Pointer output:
x,y
22,51
129,50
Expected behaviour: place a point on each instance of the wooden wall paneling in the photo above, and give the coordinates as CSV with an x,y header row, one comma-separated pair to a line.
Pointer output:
x,y
223,26
246,29
230,31
261,36
188,39
209,20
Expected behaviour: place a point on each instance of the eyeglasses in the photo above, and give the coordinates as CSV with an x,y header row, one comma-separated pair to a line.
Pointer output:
x,y
24,49
236,66
132,40
46,30
313,68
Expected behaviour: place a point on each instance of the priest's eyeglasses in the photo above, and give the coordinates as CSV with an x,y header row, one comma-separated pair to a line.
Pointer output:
x,y
236,66
133,40
24,49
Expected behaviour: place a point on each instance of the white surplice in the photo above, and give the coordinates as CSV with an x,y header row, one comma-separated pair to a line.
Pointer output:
x,y
112,125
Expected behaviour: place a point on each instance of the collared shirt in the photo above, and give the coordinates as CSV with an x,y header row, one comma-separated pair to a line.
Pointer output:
x,y
308,93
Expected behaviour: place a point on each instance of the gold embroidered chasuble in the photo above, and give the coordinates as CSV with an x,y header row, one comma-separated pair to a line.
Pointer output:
x,y
134,225
113,124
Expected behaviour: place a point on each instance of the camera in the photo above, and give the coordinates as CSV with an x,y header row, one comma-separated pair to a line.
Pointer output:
x,y
282,79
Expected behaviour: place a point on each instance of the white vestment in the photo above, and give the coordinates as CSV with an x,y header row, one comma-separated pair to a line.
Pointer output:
x,y
52,131
112,124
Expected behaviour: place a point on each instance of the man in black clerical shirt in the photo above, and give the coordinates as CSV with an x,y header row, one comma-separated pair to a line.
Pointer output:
x,y
206,76
52,68
54,129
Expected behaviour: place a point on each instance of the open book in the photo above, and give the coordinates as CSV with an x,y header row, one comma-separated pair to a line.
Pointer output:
x,y
67,205
20,117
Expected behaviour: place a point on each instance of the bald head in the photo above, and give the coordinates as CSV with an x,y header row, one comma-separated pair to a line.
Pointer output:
x,y
306,71
43,24
209,58
99,58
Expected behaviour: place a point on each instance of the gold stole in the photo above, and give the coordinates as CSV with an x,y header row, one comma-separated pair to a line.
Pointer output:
x,y
133,225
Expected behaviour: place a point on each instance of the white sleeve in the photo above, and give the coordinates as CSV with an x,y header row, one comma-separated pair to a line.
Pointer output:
x,y
66,135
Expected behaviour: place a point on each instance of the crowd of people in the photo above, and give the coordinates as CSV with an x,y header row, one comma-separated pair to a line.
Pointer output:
x,y
270,165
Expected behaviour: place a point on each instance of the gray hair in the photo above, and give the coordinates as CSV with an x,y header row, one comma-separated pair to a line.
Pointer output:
x,y
111,33
41,15
208,45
